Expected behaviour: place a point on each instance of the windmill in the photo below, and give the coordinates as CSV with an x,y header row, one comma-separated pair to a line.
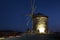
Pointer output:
x,y
39,21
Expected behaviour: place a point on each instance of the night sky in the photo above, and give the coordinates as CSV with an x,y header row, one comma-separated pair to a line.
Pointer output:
x,y
13,14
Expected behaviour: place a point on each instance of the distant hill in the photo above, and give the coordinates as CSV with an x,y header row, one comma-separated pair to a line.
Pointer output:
x,y
4,33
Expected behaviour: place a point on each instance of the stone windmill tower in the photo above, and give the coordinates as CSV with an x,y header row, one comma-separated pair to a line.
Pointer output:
x,y
40,23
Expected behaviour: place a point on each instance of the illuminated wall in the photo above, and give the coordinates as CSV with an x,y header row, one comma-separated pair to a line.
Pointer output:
x,y
41,25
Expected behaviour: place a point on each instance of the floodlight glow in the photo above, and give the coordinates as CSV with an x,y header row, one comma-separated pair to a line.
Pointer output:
x,y
41,28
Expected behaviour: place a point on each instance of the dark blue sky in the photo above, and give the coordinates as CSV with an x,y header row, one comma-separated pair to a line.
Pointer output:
x,y
12,13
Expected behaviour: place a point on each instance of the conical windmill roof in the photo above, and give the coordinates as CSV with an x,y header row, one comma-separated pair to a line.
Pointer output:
x,y
39,14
